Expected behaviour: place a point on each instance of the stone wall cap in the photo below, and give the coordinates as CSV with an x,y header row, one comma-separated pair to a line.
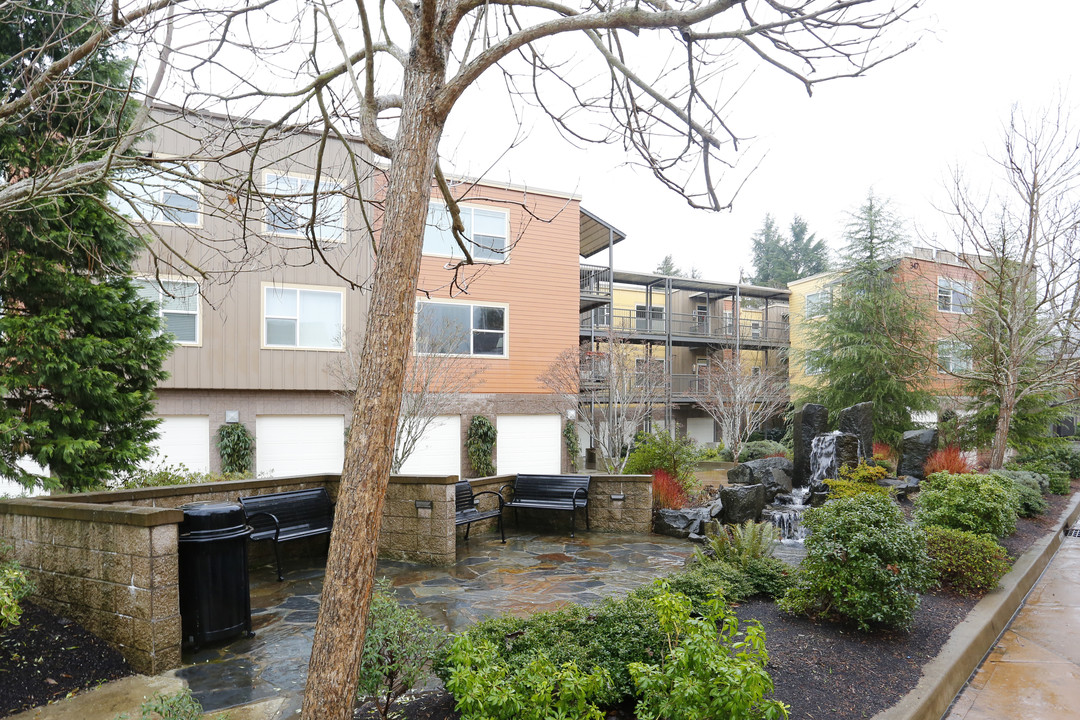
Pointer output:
x,y
92,512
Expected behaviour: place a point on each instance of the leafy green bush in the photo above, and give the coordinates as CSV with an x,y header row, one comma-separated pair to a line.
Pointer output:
x,y
1028,478
1057,472
179,705
863,562
760,449
711,454
1029,498
710,669
487,688
676,456
982,504
726,455
863,473
761,576
236,445
1061,454
163,475
14,586
966,563
849,488
479,444
400,646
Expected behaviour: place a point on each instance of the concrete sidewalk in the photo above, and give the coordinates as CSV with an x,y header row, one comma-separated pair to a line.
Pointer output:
x,y
1033,672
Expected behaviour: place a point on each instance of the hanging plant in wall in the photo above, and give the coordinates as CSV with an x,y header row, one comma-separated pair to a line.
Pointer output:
x,y
236,447
480,444
573,449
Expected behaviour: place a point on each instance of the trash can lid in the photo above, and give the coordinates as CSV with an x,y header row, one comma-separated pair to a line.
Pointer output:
x,y
211,516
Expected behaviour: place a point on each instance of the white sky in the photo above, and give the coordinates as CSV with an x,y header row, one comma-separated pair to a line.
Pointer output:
x,y
899,130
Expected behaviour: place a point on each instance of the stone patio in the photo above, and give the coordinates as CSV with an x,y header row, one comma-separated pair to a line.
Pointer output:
x,y
529,574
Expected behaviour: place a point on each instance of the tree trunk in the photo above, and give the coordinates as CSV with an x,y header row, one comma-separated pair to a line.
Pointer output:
x,y
350,566
1001,432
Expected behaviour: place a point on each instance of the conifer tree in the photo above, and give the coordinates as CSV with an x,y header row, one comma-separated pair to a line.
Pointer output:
x,y
82,351
779,259
861,348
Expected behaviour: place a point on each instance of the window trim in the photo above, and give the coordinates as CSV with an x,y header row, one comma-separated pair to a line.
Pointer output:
x,y
504,257
267,203
944,369
822,306
263,287
157,216
966,286
470,304
649,313
155,282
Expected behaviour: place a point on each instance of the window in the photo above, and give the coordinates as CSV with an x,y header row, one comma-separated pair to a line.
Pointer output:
x,y
601,316
817,304
178,303
303,318
289,210
755,328
485,227
814,362
444,328
649,318
166,197
953,295
953,356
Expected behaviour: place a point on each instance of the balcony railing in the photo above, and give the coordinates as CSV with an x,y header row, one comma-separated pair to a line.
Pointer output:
x,y
595,280
653,321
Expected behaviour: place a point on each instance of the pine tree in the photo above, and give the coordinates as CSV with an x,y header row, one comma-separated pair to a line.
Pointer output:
x,y
668,267
862,345
82,351
780,259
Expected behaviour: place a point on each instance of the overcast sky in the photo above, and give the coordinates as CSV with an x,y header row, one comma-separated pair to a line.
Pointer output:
x,y
898,130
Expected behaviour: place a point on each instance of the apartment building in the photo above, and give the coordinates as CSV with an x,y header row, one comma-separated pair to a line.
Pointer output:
x,y
945,284
265,293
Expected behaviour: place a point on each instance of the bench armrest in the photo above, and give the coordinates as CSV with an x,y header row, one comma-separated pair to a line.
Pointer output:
x,y
503,488
490,492
583,491
277,524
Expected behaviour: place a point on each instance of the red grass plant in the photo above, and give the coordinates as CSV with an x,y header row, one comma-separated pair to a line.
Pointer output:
x,y
667,493
948,459
884,452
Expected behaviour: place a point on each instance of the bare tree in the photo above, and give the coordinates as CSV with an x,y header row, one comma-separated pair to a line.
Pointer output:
x,y
739,399
1020,241
615,388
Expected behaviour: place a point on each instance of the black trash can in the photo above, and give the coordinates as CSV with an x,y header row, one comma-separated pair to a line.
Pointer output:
x,y
215,603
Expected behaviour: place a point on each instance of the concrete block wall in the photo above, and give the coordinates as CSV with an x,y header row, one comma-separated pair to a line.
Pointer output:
x,y
413,530
113,570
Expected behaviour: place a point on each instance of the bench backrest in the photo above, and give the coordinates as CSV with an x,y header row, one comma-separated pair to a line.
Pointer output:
x,y
463,496
543,487
295,508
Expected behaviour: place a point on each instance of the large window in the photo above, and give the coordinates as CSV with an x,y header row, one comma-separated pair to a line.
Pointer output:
x,y
461,329
818,303
953,295
649,318
485,227
170,196
177,303
953,356
290,200
303,318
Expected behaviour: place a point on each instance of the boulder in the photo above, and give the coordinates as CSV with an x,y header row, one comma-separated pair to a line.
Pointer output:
x,y
847,450
742,503
810,422
914,451
680,523
777,482
858,420
754,472
715,508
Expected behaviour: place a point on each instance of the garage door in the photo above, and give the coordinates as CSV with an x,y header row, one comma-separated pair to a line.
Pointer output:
x,y
184,440
700,429
529,444
438,452
289,445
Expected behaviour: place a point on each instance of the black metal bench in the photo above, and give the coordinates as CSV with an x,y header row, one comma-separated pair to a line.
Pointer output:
x,y
288,516
550,492
466,512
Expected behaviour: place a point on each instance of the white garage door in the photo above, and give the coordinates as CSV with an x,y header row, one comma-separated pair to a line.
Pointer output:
x,y
183,440
529,444
700,429
438,452
289,445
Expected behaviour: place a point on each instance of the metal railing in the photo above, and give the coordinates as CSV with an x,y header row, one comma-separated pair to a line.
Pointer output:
x,y
595,279
654,321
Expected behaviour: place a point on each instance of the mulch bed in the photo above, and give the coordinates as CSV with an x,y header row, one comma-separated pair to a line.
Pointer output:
x,y
822,670
46,657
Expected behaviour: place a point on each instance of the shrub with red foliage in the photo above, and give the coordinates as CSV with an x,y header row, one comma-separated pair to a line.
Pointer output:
x,y
883,451
950,459
667,493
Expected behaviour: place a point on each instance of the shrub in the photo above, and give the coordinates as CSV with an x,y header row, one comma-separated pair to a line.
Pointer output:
x,y
667,493
711,454
982,504
965,563
163,475
948,459
884,456
761,449
710,669
1028,478
236,447
479,444
14,586
863,562
399,648
1029,498
179,705
1060,453
863,473
726,455
737,544
849,488
1056,471
676,456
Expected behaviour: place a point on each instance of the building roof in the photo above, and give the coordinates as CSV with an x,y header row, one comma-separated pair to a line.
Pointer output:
x,y
596,233
703,286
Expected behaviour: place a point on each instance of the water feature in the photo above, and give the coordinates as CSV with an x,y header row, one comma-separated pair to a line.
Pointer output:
x,y
823,457
786,514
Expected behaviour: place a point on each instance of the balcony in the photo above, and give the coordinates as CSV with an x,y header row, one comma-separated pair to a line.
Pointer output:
x,y
595,286
686,328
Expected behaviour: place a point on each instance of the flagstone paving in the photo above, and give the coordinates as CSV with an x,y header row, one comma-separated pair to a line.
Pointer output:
x,y
530,573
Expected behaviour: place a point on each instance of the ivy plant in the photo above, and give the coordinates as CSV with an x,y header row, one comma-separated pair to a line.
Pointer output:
x,y
480,445
573,448
236,447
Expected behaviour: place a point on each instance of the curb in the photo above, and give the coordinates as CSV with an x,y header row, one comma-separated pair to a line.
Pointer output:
x,y
970,641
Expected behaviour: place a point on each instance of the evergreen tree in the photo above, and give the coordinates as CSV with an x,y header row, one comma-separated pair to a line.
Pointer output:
x,y
667,267
862,347
807,255
780,259
82,351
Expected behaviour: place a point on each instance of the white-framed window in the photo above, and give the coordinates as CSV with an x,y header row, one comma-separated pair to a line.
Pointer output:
x,y
290,200
486,227
177,304
953,356
601,316
814,362
954,296
755,328
303,317
453,328
648,318
817,303
168,196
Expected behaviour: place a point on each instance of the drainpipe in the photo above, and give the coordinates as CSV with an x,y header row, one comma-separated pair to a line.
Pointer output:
x,y
669,419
